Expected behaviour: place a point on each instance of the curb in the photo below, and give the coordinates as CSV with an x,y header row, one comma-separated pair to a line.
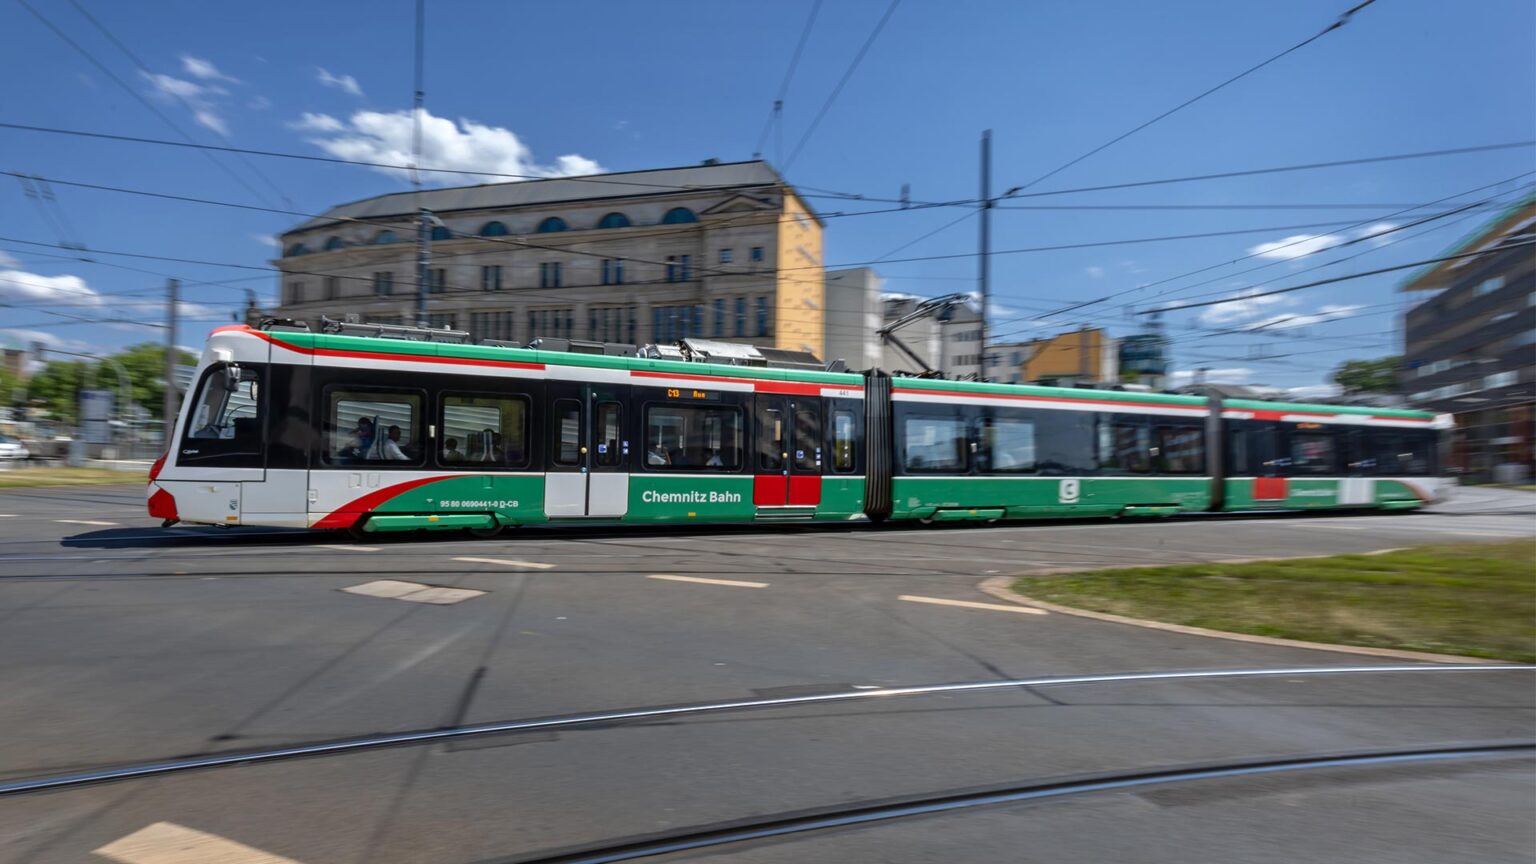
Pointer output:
x,y
997,586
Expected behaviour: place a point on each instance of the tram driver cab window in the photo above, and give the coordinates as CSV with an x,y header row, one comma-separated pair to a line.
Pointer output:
x,y
224,427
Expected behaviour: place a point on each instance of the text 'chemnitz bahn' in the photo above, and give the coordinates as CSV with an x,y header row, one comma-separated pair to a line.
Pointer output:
x,y
286,427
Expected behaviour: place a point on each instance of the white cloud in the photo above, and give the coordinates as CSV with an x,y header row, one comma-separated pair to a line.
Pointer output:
x,y
7,260
1234,375
204,69
258,103
197,98
374,136
1295,246
1094,271
1241,307
344,83
19,285
1306,392
268,240
1374,233
311,122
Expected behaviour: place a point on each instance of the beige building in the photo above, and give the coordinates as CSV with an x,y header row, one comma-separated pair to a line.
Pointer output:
x,y
725,251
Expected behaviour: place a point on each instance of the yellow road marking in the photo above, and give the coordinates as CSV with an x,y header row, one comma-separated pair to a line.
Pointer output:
x,y
971,604
531,565
733,583
169,843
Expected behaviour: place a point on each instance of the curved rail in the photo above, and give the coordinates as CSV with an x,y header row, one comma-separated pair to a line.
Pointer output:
x,y
779,826
422,736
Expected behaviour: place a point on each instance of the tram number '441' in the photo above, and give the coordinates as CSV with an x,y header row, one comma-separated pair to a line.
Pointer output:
x,y
1070,491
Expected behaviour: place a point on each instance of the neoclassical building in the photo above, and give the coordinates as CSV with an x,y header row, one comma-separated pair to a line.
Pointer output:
x,y
718,250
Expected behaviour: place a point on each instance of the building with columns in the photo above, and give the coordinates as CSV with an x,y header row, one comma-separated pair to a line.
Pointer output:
x,y
718,250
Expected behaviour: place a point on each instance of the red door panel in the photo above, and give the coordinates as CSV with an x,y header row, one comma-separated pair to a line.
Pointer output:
x,y
768,490
804,490
1269,488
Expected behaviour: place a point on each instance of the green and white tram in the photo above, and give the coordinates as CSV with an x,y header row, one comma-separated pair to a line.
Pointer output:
x,y
286,427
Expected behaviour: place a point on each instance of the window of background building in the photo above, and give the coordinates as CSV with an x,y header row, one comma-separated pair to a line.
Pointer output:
x,y
762,316
719,317
383,283
757,253
490,277
684,266
725,256
549,274
332,287
741,316
491,325
437,280
551,323
1490,285
295,292
441,320
671,268
613,271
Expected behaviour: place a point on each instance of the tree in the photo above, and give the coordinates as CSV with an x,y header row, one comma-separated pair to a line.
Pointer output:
x,y
56,387
1368,376
145,364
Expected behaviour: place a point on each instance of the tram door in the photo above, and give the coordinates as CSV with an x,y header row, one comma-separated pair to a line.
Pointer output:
x,y
1270,483
587,471
789,451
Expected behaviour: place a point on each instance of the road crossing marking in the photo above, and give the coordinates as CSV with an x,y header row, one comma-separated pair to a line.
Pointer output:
x,y
971,604
169,843
412,592
345,548
732,583
84,522
507,562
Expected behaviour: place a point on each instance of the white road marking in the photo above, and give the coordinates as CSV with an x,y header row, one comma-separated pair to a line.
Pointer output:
x,y
345,548
529,565
971,604
1485,534
169,843
84,522
7,515
733,583
413,592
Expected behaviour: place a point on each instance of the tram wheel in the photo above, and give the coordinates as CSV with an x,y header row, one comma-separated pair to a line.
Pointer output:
x,y
356,534
486,533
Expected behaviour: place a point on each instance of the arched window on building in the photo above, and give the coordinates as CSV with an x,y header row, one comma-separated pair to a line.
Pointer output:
x,y
614,220
679,215
334,243
383,237
551,225
493,229
441,232
296,250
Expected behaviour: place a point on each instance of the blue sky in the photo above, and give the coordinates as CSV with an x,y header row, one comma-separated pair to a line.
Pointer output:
x,y
563,86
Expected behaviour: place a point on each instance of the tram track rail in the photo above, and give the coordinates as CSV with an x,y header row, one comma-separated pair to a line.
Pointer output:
x,y
366,743
867,813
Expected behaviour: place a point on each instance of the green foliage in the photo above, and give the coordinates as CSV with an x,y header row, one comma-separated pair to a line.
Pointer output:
x,y
1368,376
56,387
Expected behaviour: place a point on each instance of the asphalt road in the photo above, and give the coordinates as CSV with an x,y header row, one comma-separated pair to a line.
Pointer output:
x,y
121,643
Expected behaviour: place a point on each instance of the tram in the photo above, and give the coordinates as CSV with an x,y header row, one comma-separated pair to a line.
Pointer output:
x,y
374,428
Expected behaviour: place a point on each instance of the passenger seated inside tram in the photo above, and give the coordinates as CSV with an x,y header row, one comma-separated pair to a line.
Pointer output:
x,y
389,448
714,460
451,451
361,440
658,455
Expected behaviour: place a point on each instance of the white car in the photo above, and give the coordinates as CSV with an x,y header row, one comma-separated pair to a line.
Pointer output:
x,y
10,448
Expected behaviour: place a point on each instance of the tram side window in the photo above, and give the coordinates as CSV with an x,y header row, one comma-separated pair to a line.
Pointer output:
x,y
379,428
483,431
770,440
225,426
693,437
842,441
609,447
1313,453
1180,450
1007,446
1125,446
1401,454
932,443
807,439
566,442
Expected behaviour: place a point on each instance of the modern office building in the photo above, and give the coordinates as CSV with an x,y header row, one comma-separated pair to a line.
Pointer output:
x,y
718,250
1470,347
853,317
